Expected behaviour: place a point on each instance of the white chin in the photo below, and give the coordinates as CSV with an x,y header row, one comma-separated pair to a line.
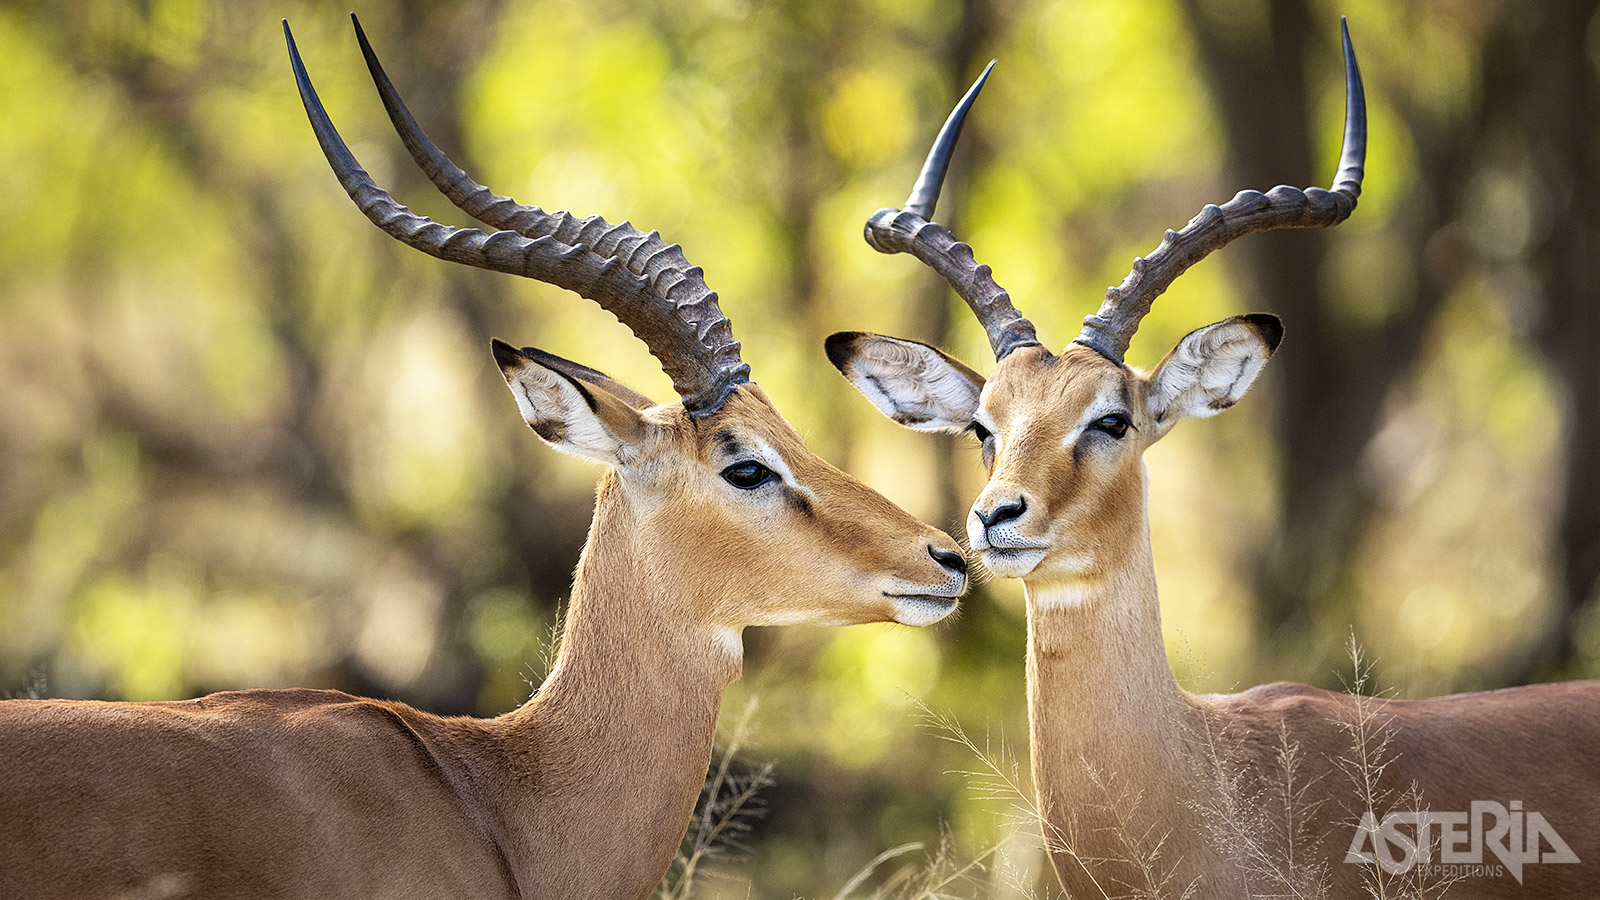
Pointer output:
x,y
919,611
1012,563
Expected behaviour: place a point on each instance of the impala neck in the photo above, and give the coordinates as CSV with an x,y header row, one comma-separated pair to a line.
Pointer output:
x,y
1108,722
619,737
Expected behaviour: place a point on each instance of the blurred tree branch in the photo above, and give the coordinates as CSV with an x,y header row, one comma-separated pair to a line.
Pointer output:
x,y
1557,99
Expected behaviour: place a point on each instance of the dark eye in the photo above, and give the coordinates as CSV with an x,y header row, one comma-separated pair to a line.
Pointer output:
x,y
980,432
747,476
1115,425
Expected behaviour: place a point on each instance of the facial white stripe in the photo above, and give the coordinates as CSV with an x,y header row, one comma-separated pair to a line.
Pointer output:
x,y
1109,401
776,464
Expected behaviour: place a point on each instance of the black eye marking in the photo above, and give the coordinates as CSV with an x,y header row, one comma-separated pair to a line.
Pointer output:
x,y
1115,424
747,476
981,433
799,503
727,443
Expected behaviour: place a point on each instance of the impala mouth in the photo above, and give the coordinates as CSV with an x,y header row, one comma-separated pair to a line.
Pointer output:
x,y
922,609
1006,553
1013,562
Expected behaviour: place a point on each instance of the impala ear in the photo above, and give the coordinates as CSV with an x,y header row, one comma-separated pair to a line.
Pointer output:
x,y
1211,368
912,383
571,407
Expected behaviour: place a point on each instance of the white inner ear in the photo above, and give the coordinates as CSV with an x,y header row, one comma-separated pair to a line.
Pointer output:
x,y
557,412
913,385
1207,372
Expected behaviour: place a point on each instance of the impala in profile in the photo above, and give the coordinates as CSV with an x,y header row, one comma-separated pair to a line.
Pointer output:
x,y
1147,790
711,516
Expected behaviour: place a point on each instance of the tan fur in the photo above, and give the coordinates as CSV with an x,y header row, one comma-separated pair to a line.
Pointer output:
x,y
584,792
1148,790
1132,769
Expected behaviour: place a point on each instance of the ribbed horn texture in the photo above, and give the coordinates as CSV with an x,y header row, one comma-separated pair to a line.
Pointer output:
x,y
645,282
1110,330
908,230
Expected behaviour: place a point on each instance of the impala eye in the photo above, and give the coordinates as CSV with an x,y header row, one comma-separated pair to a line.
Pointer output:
x,y
747,476
1115,425
981,433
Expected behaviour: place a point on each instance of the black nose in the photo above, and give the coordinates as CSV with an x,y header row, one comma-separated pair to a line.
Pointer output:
x,y
1008,511
952,561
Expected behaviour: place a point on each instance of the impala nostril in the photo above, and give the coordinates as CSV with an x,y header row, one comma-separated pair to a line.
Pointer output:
x,y
1008,511
955,562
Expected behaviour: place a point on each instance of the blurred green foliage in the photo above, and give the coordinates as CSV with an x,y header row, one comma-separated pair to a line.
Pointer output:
x,y
248,441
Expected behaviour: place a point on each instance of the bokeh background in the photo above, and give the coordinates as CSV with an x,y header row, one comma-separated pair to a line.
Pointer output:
x,y
246,440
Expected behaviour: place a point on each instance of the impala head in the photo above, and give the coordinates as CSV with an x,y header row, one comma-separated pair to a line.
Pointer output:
x,y
719,487
1062,434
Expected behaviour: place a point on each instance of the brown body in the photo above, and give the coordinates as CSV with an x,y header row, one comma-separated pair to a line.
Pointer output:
x,y
585,791
1148,790
246,794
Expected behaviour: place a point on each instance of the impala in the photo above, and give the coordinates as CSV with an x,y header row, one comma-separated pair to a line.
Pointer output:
x,y
1145,789
710,517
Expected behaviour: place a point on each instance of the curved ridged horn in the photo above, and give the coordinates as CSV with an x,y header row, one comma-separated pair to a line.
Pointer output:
x,y
1110,330
908,230
646,283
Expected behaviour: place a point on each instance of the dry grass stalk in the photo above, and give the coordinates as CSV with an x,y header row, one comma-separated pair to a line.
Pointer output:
x,y
1372,754
729,805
